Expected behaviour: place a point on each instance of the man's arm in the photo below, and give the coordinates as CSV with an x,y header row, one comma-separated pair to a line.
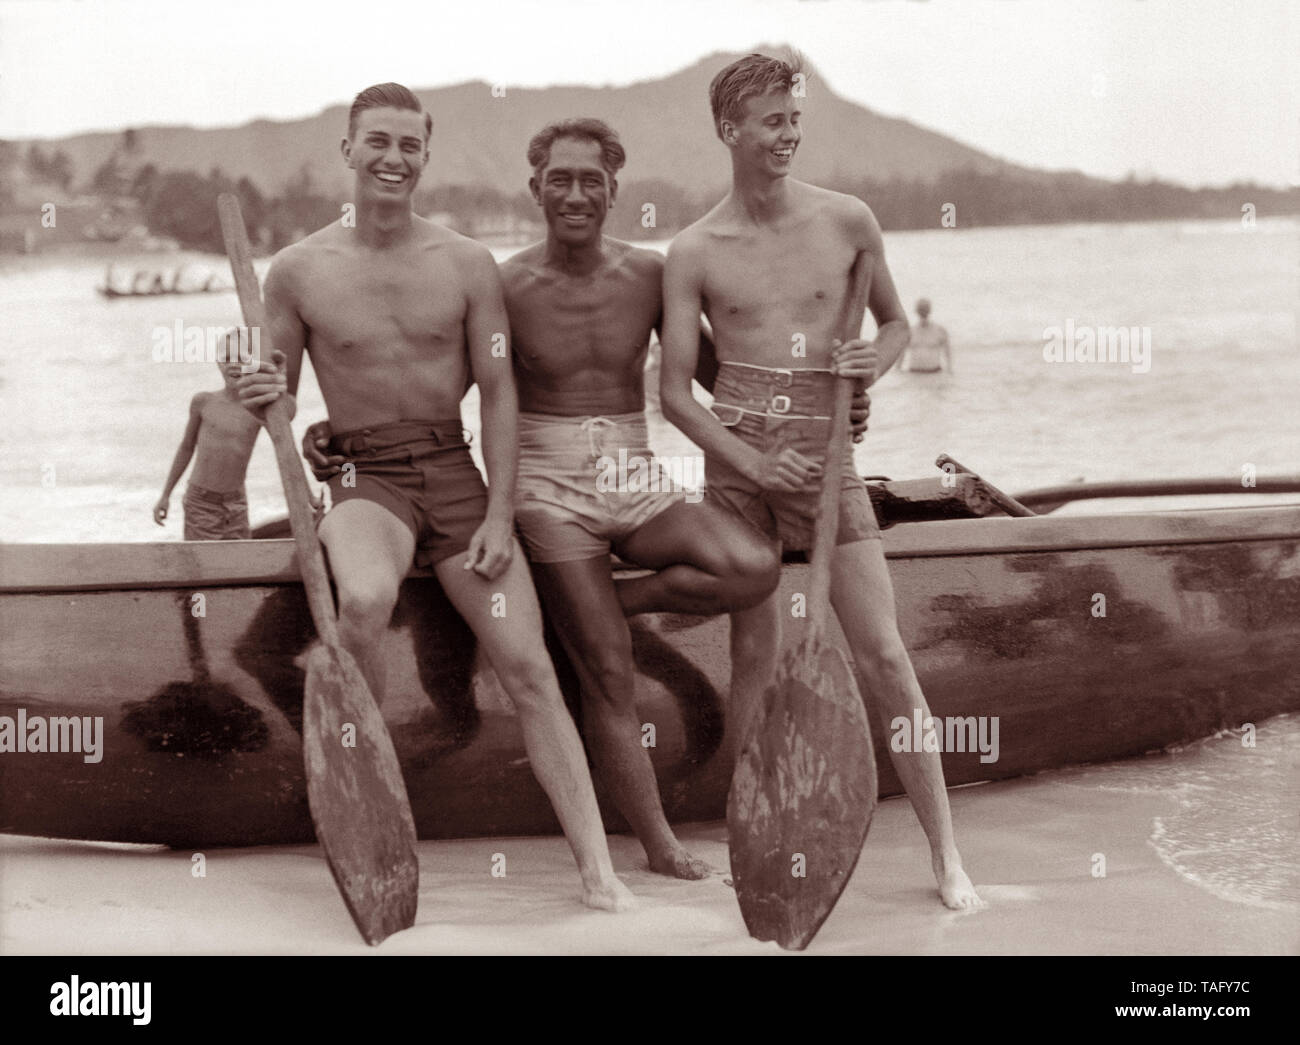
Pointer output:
x,y
487,327
945,349
287,334
680,340
706,366
893,333
182,459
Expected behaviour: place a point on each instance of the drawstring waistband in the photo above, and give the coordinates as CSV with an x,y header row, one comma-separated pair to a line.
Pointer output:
x,y
590,426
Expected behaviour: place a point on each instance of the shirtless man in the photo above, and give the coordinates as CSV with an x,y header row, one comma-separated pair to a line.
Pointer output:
x,y
770,267
399,315
582,308
928,352
220,437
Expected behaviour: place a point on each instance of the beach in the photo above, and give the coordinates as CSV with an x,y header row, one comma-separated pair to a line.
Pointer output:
x,y
1194,864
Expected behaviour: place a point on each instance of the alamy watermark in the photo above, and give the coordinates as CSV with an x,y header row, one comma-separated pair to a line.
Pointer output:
x,y
38,734
954,733
129,998
184,343
632,473
1087,344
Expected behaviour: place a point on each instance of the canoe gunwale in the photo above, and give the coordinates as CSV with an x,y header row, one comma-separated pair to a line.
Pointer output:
x,y
51,568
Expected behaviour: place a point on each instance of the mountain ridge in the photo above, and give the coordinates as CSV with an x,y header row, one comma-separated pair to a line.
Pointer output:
x,y
480,138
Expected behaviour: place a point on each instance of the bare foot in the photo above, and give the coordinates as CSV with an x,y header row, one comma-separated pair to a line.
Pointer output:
x,y
607,894
678,863
955,888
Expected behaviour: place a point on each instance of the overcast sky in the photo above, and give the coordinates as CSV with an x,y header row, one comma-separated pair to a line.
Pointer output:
x,y
1200,91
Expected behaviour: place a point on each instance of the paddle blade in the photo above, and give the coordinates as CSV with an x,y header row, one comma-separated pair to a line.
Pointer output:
x,y
357,796
802,797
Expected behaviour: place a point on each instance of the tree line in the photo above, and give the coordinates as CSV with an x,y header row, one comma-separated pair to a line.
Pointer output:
x,y
181,204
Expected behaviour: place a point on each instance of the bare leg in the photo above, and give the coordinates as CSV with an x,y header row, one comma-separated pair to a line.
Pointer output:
x,y
582,606
370,552
755,649
514,646
708,561
863,597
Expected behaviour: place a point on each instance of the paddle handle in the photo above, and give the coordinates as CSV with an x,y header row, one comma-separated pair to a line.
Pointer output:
x,y
302,519
848,326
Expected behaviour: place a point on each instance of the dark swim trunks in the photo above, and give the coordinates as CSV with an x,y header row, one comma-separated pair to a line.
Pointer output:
x,y
422,472
775,409
211,515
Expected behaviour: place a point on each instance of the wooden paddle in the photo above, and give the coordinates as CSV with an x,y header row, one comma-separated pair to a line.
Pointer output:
x,y
804,788
354,782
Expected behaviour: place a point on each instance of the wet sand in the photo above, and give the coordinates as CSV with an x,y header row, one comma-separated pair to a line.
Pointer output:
x,y
1029,844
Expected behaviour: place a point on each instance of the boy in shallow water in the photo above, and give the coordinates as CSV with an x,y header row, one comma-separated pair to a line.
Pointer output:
x,y
220,437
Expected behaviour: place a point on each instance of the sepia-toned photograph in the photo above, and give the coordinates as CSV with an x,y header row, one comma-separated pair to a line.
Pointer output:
x,y
750,477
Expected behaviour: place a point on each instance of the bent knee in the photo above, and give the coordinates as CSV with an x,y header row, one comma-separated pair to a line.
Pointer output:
x,y
749,573
758,573
884,661
528,680
367,605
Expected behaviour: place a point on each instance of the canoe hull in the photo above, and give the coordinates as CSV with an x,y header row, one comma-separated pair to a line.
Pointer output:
x,y
192,655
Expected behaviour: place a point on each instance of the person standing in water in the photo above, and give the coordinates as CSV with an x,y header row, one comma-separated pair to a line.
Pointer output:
x,y
928,352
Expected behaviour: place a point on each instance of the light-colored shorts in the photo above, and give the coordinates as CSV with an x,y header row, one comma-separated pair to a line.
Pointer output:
x,y
585,483
778,409
211,515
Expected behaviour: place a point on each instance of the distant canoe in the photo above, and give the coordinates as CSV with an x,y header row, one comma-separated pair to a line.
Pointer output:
x,y
111,292
192,654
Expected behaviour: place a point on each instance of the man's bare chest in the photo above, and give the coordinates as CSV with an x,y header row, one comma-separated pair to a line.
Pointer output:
x,y
355,306
745,287
570,324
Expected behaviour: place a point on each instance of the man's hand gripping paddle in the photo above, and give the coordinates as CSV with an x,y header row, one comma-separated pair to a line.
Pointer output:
x,y
355,790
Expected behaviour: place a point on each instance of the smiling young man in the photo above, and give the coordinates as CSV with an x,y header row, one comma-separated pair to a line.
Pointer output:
x,y
399,315
769,266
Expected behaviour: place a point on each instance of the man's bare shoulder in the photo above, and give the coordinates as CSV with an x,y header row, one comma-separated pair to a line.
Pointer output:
x,y
324,240
692,243
641,260
431,234
290,262
522,265
718,219
469,256
848,211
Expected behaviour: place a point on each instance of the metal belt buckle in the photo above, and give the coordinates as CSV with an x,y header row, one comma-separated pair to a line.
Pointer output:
x,y
784,378
781,404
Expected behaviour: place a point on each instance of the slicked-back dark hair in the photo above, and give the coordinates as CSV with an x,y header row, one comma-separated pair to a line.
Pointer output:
x,y
749,77
582,128
386,96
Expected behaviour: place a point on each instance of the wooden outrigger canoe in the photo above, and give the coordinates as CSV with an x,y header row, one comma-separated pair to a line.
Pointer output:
x,y
191,655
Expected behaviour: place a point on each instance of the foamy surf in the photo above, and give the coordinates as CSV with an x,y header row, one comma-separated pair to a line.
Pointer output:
x,y
1232,831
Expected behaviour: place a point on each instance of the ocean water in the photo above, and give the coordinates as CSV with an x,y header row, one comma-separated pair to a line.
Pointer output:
x,y
1233,831
89,423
